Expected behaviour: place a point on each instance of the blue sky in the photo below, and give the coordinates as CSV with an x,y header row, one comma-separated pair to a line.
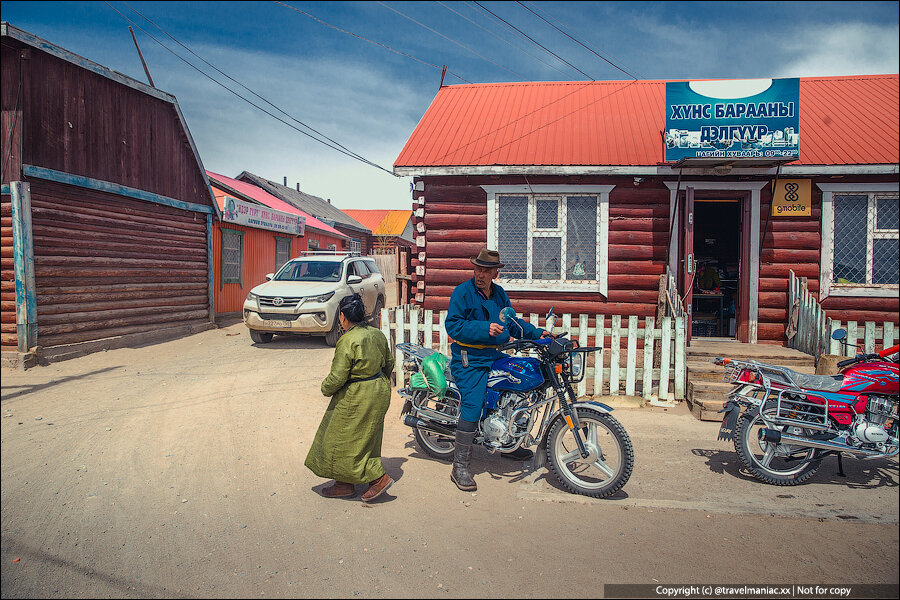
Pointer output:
x,y
369,98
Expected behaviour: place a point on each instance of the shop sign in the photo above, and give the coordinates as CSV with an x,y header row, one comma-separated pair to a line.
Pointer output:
x,y
262,217
733,119
791,198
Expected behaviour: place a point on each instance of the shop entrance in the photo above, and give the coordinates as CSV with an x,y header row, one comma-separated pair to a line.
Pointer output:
x,y
717,243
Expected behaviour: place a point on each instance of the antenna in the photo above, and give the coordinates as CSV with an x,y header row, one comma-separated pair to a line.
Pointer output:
x,y
146,70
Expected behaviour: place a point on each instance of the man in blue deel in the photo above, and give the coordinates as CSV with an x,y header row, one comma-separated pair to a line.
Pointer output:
x,y
473,322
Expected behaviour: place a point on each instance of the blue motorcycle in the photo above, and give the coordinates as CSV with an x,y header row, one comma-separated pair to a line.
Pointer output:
x,y
530,401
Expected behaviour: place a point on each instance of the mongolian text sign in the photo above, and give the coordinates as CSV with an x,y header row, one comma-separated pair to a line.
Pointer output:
x,y
733,119
791,198
255,215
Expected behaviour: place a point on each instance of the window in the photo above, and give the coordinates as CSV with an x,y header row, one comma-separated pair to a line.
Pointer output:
x,y
860,225
356,247
358,267
232,256
332,247
282,251
550,237
313,244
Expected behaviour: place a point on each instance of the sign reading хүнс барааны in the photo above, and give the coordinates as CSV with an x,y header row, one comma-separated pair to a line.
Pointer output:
x,y
263,217
733,119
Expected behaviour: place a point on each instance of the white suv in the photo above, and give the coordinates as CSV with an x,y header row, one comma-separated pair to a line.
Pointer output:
x,y
303,296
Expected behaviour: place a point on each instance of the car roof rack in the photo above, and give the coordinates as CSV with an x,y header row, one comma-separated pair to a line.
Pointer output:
x,y
328,253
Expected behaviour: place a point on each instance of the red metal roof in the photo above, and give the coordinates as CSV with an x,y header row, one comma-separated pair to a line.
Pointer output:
x,y
843,120
382,222
265,198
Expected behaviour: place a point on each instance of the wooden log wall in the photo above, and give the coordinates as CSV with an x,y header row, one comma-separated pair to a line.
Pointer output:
x,y
794,243
451,224
107,265
8,339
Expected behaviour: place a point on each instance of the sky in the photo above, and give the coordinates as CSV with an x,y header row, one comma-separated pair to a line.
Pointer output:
x,y
349,81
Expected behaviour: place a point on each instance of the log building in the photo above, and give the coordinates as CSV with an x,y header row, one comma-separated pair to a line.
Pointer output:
x,y
106,208
569,181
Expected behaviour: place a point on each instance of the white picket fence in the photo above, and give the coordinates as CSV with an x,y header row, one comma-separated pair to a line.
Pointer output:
x,y
606,375
814,328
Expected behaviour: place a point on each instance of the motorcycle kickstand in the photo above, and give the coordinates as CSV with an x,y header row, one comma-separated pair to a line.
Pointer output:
x,y
840,457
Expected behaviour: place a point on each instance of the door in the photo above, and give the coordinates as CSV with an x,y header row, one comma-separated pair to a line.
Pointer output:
x,y
366,288
687,252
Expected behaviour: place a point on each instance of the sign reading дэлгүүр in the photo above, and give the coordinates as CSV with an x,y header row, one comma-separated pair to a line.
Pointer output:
x,y
733,119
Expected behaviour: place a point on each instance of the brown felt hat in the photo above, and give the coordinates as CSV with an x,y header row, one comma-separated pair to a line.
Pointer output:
x,y
489,259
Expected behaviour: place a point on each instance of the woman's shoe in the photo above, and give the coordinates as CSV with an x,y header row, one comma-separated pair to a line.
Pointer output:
x,y
377,487
339,490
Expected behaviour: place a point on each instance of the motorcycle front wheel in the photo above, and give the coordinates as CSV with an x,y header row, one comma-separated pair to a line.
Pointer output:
x,y
777,464
610,458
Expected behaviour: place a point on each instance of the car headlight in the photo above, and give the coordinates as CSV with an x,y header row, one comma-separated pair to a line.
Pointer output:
x,y
251,297
319,298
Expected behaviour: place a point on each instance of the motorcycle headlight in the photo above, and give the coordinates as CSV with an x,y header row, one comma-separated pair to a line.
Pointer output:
x,y
319,298
576,366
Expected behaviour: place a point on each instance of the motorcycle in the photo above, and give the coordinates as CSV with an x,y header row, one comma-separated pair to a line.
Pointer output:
x,y
586,448
790,421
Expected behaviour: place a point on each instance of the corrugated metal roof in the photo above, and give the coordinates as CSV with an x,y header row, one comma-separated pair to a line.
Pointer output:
x,y
843,120
382,222
265,198
318,207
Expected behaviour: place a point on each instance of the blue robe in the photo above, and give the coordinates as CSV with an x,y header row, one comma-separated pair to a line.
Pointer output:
x,y
469,319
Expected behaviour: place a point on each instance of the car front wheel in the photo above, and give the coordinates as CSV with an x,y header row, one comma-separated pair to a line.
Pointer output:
x,y
261,337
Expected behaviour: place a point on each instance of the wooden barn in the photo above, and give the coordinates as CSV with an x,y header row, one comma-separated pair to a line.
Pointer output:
x,y
254,235
572,182
391,229
107,211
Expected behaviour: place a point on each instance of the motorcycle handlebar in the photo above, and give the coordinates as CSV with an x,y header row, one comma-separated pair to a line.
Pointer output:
x,y
862,358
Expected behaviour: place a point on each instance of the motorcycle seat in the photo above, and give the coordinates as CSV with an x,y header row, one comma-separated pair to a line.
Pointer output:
x,y
826,383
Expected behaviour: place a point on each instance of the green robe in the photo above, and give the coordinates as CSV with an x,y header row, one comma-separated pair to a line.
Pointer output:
x,y
347,446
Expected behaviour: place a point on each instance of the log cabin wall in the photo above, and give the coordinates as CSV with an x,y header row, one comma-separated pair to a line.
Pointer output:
x,y
106,265
795,243
8,336
450,219
454,219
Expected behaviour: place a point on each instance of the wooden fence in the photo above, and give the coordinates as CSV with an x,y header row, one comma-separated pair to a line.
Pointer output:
x,y
620,338
813,328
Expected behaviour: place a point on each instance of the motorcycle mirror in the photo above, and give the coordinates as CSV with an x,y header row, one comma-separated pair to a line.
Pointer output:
x,y
839,334
550,320
507,313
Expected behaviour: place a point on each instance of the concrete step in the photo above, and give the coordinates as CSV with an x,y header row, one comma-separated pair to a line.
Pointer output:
x,y
704,371
705,404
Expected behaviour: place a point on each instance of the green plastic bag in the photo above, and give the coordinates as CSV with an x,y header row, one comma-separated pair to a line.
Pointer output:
x,y
431,377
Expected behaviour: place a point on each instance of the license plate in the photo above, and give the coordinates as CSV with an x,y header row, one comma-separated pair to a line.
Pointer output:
x,y
274,323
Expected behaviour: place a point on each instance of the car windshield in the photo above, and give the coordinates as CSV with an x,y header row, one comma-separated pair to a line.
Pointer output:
x,y
310,270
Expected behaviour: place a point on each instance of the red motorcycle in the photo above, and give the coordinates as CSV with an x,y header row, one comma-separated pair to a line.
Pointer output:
x,y
783,423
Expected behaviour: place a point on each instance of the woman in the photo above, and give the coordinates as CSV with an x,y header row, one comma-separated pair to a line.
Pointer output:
x,y
347,446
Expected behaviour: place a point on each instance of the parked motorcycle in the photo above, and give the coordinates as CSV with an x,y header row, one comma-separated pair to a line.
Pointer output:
x,y
586,448
790,421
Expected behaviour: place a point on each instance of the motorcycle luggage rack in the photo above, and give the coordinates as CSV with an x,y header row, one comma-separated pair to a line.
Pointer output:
x,y
776,383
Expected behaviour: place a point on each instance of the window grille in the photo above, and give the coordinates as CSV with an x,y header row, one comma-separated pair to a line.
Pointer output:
x,y
232,256
865,240
282,251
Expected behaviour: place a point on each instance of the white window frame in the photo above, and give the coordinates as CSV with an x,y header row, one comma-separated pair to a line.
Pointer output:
x,y
601,283
826,262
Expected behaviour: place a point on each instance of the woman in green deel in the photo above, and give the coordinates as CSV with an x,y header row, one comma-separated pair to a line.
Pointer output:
x,y
347,446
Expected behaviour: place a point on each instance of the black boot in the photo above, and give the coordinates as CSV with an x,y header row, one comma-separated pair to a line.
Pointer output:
x,y
461,455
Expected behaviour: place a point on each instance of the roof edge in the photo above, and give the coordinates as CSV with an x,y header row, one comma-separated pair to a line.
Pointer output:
x,y
641,170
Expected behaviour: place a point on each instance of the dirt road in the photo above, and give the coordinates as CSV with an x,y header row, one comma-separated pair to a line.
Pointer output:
x,y
176,470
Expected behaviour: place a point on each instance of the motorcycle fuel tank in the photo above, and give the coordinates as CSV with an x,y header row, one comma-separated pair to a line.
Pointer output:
x,y
515,373
872,378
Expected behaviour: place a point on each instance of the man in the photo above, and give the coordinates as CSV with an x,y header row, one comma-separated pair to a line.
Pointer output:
x,y
473,322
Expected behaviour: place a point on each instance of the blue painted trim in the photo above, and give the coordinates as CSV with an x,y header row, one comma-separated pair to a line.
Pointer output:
x,y
209,268
5,189
112,188
23,267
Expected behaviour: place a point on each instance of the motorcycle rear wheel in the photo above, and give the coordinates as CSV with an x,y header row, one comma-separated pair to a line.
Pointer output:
x,y
435,445
769,462
610,460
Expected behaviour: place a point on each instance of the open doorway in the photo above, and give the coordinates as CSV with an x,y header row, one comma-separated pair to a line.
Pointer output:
x,y
717,243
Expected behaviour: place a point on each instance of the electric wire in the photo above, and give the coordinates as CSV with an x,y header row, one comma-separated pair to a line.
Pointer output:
x,y
532,40
333,147
575,40
386,47
282,111
501,38
519,75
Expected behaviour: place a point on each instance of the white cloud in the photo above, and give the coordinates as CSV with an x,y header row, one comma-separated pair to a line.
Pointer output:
x,y
848,49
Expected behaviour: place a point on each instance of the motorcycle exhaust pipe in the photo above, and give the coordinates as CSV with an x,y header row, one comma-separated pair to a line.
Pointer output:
x,y
417,423
777,437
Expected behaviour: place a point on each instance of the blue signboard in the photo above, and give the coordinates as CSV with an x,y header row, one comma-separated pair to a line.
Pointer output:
x,y
733,119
